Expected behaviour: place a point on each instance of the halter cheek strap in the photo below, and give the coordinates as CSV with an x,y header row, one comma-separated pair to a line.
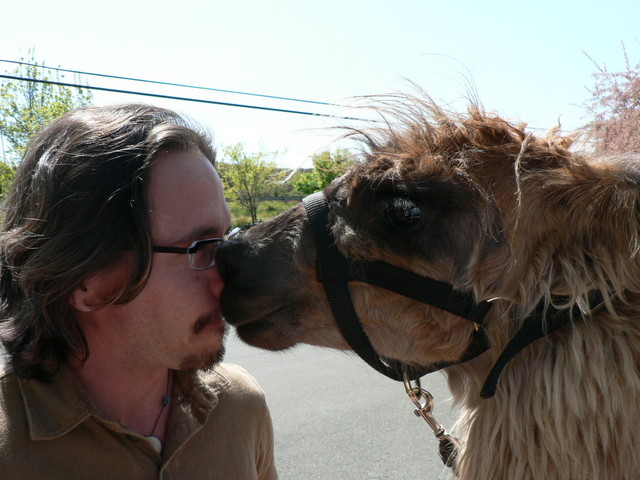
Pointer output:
x,y
544,320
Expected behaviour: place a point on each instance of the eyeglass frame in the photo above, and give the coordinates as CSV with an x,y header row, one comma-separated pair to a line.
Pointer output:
x,y
192,249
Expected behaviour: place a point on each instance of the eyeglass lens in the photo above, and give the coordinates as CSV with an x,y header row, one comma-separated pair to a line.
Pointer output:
x,y
204,257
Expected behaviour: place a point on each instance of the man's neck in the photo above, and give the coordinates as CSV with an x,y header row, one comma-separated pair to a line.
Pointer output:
x,y
133,396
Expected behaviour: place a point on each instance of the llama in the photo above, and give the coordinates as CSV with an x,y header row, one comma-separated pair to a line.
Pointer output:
x,y
534,236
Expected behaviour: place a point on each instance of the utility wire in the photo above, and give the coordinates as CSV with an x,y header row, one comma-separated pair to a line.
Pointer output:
x,y
186,99
157,82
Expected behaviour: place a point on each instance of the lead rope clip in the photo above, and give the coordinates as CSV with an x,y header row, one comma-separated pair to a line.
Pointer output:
x,y
424,402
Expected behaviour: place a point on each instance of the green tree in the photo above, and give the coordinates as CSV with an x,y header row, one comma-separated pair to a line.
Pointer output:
x,y
27,106
326,167
6,177
248,178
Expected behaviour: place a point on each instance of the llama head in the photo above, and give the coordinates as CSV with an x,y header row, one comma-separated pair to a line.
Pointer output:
x,y
469,200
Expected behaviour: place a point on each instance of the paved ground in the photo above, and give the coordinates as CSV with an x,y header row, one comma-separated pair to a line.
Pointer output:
x,y
335,418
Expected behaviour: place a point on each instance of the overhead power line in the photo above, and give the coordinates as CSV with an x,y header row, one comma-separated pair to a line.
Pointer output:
x,y
170,84
175,97
187,99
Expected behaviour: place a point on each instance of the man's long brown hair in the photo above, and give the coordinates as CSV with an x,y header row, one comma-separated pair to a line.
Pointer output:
x,y
78,203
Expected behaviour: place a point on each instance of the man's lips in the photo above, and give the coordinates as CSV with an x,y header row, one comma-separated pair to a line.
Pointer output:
x,y
213,319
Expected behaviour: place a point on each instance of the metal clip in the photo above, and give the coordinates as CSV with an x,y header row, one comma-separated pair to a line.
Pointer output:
x,y
424,402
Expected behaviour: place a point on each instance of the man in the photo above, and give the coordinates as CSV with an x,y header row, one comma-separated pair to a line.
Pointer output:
x,y
110,311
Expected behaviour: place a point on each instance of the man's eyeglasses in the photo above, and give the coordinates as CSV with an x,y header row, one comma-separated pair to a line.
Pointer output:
x,y
202,253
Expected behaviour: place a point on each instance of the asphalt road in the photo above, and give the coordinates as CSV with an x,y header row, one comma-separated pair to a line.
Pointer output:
x,y
335,418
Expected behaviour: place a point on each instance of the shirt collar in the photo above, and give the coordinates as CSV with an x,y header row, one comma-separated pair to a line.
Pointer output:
x,y
56,407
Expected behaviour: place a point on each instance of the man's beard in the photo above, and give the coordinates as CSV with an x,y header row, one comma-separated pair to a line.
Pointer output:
x,y
206,361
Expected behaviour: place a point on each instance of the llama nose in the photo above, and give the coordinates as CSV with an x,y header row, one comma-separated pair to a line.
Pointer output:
x,y
230,257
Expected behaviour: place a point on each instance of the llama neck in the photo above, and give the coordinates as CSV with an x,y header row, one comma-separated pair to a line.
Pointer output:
x,y
566,407
543,321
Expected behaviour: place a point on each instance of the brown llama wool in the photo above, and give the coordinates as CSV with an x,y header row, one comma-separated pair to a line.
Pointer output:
x,y
521,225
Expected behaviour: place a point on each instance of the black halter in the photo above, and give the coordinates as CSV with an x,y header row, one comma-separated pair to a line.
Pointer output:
x,y
334,271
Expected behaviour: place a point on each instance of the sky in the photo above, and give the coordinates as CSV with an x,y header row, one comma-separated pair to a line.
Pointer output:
x,y
528,61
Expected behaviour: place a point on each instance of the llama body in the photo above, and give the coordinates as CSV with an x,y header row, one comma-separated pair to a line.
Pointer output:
x,y
474,202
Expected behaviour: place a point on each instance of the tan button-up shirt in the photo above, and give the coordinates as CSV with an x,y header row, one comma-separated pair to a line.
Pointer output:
x,y
219,429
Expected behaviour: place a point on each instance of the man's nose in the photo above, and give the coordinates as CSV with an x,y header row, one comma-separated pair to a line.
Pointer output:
x,y
215,280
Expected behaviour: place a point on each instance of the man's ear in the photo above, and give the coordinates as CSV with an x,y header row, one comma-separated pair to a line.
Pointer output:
x,y
81,299
102,287
84,299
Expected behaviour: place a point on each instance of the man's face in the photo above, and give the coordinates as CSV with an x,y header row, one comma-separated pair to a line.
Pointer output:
x,y
175,321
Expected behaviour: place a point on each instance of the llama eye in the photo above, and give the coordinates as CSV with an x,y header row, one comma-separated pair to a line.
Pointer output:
x,y
402,212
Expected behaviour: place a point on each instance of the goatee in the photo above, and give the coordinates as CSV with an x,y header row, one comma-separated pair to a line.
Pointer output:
x,y
208,360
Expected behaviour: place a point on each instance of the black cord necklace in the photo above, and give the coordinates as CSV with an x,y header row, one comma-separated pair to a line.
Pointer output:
x,y
166,398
